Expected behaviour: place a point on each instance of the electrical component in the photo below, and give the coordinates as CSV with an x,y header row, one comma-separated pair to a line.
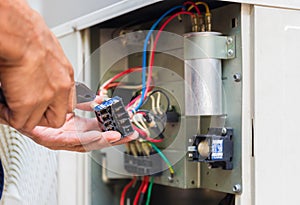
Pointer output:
x,y
112,116
215,148
143,165
203,75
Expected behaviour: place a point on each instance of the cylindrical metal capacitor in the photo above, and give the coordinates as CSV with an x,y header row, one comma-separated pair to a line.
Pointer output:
x,y
203,75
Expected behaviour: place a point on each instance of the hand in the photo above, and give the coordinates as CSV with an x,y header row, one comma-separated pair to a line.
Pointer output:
x,y
77,134
36,77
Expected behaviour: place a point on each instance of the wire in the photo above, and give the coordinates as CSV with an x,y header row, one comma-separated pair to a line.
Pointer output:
x,y
163,157
137,196
192,5
158,104
126,189
144,190
144,62
155,43
145,135
200,3
164,94
153,104
130,70
149,191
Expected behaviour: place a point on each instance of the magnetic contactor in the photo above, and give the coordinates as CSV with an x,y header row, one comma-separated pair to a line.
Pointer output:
x,y
214,148
112,116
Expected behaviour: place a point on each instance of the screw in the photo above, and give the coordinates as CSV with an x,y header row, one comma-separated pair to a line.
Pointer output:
x,y
171,179
237,188
190,155
190,140
229,40
237,77
224,131
230,52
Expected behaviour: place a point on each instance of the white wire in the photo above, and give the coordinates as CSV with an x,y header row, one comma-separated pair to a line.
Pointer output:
x,y
153,104
142,127
158,103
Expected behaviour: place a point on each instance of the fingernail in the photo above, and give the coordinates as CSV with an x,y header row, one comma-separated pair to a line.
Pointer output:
x,y
111,136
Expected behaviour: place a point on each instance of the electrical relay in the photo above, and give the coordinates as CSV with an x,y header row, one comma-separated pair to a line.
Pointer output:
x,y
112,116
215,148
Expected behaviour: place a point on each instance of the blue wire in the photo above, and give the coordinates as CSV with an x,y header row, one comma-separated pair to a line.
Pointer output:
x,y
144,63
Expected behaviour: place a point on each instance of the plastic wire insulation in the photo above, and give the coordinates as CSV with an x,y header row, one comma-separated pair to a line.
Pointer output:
x,y
145,136
158,104
155,43
192,5
144,190
146,184
126,189
130,70
137,196
149,191
144,62
200,3
163,157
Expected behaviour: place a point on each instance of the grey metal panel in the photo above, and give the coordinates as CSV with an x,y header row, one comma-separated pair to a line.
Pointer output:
x,y
65,16
277,100
295,4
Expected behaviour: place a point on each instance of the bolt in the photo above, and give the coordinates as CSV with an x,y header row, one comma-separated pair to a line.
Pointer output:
x,y
230,52
190,140
229,40
237,77
171,179
237,188
224,131
190,155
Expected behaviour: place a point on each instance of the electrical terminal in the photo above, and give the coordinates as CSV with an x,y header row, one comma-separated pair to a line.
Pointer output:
x,y
195,23
146,149
139,147
133,149
112,115
208,21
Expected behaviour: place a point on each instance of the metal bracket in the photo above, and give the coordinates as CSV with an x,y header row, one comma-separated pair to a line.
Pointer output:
x,y
217,47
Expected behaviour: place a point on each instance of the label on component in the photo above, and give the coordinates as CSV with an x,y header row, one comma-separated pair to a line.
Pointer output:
x,y
217,149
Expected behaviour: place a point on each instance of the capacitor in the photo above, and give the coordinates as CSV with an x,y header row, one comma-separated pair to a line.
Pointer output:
x,y
203,75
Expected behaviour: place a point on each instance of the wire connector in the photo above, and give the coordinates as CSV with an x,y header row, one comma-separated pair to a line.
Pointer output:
x,y
112,116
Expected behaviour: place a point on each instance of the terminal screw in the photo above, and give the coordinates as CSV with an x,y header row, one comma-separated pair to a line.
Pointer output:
x,y
237,77
237,188
230,52
224,131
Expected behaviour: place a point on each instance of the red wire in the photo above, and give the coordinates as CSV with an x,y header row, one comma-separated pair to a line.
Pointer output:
x,y
155,43
130,70
195,6
146,184
141,132
145,136
126,189
133,101
137,196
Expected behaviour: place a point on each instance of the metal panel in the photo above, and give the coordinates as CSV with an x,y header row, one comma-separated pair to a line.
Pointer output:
x,y
218,179
277,103
294,4
83,14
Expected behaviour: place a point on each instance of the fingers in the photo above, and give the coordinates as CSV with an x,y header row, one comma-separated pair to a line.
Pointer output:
x,y
129,138
87,106
79,142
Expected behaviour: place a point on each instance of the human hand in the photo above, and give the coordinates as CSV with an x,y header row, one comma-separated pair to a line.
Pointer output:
x,y
77,134
36,77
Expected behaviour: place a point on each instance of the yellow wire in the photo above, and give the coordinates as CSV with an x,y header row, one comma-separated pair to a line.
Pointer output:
x,y
200,3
